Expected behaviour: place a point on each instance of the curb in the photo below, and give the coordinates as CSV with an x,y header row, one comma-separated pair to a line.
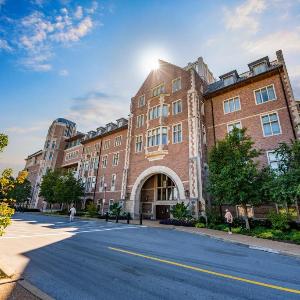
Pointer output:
x,y
34,290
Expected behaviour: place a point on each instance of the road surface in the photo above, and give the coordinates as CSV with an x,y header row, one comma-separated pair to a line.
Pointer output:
x,y
99,260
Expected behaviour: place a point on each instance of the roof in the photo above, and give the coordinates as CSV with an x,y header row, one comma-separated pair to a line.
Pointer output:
x,y
78,135
34,154
244,77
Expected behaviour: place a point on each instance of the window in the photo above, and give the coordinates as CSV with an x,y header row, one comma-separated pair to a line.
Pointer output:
x,y
118,141
53,145
50,155
106,144
265,94
94,163
101,183
270,124
111,202
156,111
232,105
157,136
177,107
115,159
176,85
139,121
177,134
273,160
166,189
234,125
104,161
113,182
86,165
158,90
141,101
138,143
259,68
228,80
93,182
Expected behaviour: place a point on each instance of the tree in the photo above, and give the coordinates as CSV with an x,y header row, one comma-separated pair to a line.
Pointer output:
x,y
68,189
7,183
21,192
234,177
47,188
286,183
180,211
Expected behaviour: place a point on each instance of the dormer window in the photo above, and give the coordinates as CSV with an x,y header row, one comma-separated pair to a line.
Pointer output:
x,y
260,68
228,80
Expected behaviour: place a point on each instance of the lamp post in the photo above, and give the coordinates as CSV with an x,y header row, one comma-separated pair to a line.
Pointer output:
x,y
105,186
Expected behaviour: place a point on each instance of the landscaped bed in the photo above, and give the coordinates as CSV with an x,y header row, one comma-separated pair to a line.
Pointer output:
x,y
2,274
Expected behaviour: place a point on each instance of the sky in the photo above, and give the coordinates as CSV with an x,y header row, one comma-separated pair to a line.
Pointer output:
x,y
84,60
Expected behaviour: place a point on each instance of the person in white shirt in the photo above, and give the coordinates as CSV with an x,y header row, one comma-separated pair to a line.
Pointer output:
x,y
229,219
72,213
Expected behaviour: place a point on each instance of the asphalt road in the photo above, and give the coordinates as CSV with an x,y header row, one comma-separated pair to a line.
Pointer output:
x,y
98,260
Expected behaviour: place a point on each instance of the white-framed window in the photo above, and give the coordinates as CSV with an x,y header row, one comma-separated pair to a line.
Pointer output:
x,y
177,133
104,161
118,141
234,125
138,143
228,80
265,94
113,182
50,155
53,144
115,161
157,136
176,85
106,144
157,111
160,89
94,163
101,183
177,107
270,124
141,101
259,68
231,105
93,184
273,160
86,165
139,121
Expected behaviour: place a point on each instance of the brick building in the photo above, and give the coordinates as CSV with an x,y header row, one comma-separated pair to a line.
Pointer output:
x,y
158,157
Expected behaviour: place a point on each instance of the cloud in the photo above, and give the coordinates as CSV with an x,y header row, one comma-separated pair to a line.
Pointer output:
x,y
245,16
97,108
5,46
288,40
63,72
38,34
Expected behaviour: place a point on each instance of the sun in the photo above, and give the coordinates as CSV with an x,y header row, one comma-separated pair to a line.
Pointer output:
x,y
150,59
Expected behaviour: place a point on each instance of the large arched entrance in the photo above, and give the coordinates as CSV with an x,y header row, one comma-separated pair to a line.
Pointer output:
x,y
154,192
157,194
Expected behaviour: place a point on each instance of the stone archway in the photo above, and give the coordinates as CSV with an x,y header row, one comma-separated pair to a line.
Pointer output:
x,y
142,178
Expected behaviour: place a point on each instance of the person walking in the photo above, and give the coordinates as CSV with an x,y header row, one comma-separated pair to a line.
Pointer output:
x,y
229,219
72,213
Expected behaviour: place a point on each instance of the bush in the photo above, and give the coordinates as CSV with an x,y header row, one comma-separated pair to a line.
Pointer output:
x,y
5,214
180,211
200,225
214,218
279,221
25,209
187,222
92,210
115,209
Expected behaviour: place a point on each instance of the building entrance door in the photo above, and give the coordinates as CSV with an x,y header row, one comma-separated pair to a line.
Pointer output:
x,y
162,212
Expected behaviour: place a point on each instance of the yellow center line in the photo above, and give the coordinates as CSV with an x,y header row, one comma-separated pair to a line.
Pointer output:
x,y
271,286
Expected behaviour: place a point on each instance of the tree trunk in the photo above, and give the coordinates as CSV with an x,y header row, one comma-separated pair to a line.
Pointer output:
x,y
246,217
286,208
297,209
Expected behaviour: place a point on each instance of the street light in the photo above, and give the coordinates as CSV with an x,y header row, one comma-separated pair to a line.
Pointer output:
x,y
105,186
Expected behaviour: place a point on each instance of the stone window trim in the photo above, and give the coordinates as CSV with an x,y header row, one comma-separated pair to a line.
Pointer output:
x,y
140,121
174,81
106,144
158,90
265,87
141,100
230,99
104,161
234,123
262,124
116,158
160,133
173,106
173,126
271,161
118,141
113,182
138,140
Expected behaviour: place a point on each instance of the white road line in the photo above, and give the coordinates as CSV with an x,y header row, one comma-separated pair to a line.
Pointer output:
x,y
67,233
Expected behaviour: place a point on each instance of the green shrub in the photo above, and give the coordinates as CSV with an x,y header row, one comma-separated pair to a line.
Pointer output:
x,y
180,211
5,214
214,218
92,210
279,221
200,225
115,209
